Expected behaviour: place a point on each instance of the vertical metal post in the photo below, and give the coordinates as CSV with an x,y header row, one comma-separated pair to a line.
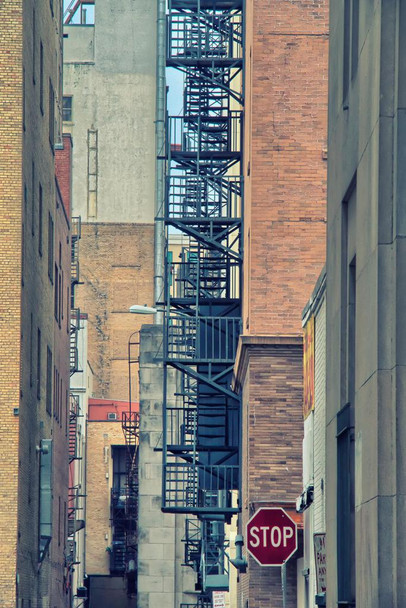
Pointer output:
x,y
283,579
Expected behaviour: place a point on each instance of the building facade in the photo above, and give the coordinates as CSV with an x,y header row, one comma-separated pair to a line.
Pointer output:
x,y
365,410
107,503
109,108
312,500
33,222
284,233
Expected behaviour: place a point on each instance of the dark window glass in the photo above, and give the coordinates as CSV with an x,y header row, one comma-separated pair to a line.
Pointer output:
x,y
49,381
40,221
39,364
67,108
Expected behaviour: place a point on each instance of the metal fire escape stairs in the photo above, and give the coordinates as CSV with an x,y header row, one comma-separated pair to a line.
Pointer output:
x,y
76,498
75,312
203,202
124,501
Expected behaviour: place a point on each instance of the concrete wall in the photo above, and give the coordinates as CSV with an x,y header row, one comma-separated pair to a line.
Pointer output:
x,y
162,581
367,144
109,69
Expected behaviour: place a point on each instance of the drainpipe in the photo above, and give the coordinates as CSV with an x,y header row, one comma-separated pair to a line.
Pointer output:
x,y
160,161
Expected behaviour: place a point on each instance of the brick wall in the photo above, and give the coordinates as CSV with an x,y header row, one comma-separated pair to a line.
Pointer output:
x,y
117,270
63,170
271,451
101,436
26,292
284,247
284,161
11,42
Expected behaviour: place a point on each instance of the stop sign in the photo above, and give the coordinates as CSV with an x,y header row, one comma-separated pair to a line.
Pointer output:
x,y
271,536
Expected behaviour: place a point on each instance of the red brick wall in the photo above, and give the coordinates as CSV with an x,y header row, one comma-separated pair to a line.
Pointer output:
x,y
284,161
63,171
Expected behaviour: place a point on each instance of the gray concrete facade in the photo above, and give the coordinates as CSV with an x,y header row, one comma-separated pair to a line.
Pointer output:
x,y
110,72
366,291
162,581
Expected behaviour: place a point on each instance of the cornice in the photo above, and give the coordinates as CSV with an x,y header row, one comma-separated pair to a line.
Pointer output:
x,y
259,346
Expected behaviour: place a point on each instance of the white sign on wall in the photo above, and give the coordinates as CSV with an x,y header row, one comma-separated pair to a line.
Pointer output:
x,y
219,599
321,561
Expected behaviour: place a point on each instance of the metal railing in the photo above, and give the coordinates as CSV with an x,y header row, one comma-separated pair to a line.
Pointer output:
x,y
205,35
203,196
214,278
181,425
191,487
205,134
202,339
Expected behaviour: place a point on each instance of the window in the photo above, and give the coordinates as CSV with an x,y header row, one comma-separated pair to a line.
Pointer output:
x,y
39,363
58,289
59,521
350,44
119,468
31,349
34,35
40,221
41,78
67,108
56,293
51,115
66,414
33,198
49,382
60,401
50,247
346,565
67,309
346,506
23,99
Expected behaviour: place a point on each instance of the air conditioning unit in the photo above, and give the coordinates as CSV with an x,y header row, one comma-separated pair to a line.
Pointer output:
x,y
111,416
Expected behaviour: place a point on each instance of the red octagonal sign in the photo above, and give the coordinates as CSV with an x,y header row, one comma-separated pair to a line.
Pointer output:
x,y
271,536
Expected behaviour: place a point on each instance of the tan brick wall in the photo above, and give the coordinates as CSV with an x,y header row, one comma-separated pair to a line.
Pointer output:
x,y
101,436
25,289
117,270
284,170
11,42
272,449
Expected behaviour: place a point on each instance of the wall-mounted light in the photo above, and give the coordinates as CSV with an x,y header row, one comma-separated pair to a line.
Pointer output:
x,y
139,309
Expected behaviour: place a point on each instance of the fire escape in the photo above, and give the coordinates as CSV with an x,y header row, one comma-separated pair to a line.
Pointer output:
x,y
75,312
124,498
201,450
76,497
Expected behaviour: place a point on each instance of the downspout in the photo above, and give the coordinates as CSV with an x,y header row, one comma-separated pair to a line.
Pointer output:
x,y
160,162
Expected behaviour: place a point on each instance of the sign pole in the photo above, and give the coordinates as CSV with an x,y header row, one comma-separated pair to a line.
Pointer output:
x,y
283,579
